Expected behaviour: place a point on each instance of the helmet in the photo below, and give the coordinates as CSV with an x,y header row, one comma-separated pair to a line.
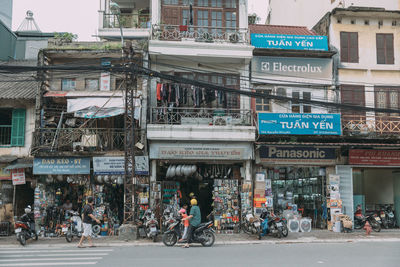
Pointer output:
x,y
28,209
193,202
191,194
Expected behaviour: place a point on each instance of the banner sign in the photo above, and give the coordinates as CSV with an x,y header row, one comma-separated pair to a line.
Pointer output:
x,y
297,154
4,174
292,42
299,123
64,165
108,165
18,176
291,66
374,157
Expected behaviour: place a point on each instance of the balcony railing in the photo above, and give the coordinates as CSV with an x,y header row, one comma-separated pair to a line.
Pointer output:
x,y
384,125
5,135
199,34
127,21
202,116
77,139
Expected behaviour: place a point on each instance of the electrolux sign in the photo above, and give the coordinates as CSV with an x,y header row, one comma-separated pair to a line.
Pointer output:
x,y
292,42
299,124
297,154
292,66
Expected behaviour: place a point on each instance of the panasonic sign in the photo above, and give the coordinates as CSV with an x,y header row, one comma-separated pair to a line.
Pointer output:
x,y
300,67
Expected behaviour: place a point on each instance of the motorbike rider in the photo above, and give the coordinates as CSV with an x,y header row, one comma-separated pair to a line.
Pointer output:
x,y
29,218
194,220
358,212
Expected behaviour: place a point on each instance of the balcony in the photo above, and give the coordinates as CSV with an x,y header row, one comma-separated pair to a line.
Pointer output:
x,y
133,25
363,125
201,124
200,34
78,140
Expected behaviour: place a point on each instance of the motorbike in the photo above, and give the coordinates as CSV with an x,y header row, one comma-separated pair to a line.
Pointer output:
x,y
168,219
24,228
372,219
272,225
150,225
251,224
73,227
387,217
203,234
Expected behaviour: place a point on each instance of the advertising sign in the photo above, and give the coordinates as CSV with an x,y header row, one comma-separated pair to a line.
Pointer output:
x,y
4,174
292,42
374,157
297,154
291,66
105,81
63,165
108,165
299,123
18,176
142,165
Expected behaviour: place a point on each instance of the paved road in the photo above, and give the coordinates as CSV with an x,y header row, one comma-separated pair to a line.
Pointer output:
x,y
311,254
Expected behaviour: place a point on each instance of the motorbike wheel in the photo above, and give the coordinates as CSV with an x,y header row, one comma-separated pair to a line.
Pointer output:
x,y
245,229
169,239
375,226
69,237
36,237
285,231
154,238
209,239
22,239
96,229
359,226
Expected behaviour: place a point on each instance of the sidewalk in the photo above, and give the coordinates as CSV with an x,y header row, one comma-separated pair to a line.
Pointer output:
x,y
315,236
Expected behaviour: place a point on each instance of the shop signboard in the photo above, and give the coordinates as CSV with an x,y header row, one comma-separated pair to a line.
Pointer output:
x,y
61,165
142,165
108,165
4,174
299,124
374,157
18,176
297,155
291,66
291,42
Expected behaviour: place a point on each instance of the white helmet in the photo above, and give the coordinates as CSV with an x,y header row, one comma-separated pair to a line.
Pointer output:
x,y
28,209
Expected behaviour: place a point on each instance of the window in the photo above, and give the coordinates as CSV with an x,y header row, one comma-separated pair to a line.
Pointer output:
x,y
12,127
298,107
68,84
216,21
353,95
185,17
202,2
92,84
387,97
230,3
263,104
216,3
349,47
384,48
230,19
170,2
202,19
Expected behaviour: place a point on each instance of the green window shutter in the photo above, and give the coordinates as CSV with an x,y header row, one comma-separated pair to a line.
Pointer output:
x,y
18,127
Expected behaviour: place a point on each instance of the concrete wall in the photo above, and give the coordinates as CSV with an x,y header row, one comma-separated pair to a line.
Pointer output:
x,y
6,12
7,42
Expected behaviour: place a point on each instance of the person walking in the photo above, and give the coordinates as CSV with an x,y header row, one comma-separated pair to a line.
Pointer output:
x,y
88,219
194,220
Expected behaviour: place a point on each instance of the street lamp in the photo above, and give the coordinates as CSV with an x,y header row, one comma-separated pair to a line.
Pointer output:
x,y
115,10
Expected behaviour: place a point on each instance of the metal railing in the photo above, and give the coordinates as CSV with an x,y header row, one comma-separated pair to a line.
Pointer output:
x,y
361,124
202,116
199,33
79,139
5,135
127,21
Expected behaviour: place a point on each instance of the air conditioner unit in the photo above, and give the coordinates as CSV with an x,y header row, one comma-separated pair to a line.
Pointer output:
x,y
280,91
222,120
89,140
234,37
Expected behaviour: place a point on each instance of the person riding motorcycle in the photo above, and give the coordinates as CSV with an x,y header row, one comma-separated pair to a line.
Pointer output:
x,y
358,212
29,218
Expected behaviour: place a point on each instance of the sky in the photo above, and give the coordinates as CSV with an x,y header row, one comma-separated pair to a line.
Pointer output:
x,y
80,16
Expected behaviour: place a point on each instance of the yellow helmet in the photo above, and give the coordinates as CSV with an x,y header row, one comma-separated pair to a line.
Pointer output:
x,y
193,202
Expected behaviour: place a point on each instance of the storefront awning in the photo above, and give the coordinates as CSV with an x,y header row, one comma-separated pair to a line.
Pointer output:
x,y
7,158
98,112
18,166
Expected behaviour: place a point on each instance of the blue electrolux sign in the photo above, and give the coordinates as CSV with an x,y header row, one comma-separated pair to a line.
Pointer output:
x,y
65,165
293,42
299,124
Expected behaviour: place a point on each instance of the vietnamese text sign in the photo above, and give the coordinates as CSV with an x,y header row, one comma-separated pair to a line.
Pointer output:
x,y
293,42
297,154
108,165
292,66
18,176
105,81
374,157
64,165
201,153
299,123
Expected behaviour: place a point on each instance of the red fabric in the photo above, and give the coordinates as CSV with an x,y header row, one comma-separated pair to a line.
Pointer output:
x,y
185,222
159,91
183,28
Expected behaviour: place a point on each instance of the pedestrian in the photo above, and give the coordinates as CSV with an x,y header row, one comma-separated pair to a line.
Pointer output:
x,y
87,219
183,213
194,220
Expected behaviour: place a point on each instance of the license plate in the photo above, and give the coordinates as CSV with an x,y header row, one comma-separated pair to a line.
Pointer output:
x,y
378,219
279,224
18,230
153,229
256,224
383,215
65,229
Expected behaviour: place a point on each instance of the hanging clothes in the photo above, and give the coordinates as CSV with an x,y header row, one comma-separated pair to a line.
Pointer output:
x,y
159,86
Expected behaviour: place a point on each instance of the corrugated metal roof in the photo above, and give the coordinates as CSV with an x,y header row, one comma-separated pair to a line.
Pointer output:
x,y
280,29
18,85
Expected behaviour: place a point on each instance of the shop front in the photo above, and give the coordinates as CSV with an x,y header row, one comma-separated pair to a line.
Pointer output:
x,y
217,173
295,178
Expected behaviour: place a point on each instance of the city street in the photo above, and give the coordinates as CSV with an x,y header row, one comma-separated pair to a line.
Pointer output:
x,y
306,254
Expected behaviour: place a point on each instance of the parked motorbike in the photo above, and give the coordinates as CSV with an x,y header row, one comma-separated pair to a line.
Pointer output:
x,y
372,219
387,217
168,219
150,225
73,227
251,224
203,234
272,225
25,227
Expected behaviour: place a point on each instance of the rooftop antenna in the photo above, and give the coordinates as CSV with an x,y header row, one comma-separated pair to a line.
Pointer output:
x,y
28,24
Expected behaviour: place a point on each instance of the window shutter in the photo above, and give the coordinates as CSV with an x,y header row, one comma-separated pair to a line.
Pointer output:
x,y
18,127
389,49
353,45
344,52
380,49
